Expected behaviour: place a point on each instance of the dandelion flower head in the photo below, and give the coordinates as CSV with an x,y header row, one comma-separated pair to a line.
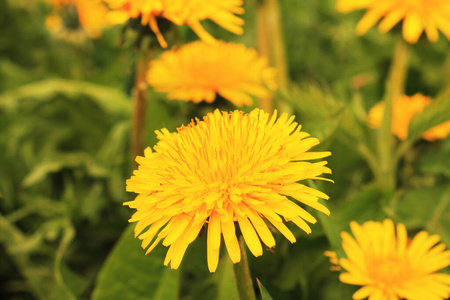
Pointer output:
x,y
391,267
198,71
180,12
228,170
91,15
417,15
404,108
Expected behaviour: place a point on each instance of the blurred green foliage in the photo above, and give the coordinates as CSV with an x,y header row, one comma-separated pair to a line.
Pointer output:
x,y
65,118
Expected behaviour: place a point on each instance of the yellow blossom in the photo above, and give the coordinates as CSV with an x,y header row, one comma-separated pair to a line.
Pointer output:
x,y
229,170
91,15
417,16
180,12
198,71
391,267
404,108
333,260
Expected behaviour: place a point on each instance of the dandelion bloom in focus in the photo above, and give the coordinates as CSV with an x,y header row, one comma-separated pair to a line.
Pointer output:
x,y
231,169
404,108
198,71
417,16
389,266
91,15
180,12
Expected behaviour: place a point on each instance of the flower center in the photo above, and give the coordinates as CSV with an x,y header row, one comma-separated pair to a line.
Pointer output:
x,y
389,271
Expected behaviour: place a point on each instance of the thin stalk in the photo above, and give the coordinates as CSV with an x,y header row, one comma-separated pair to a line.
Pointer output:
x,y
139,106
394,88
242,275
271,45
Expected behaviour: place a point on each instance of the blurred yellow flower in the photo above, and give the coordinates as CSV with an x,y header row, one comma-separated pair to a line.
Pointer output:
x,y
391,267
91,15
180,12
405,107
231,169
334,261
417,16
198,71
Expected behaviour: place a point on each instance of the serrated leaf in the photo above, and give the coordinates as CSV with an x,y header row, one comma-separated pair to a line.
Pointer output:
x,y
433,115
264,293
130,274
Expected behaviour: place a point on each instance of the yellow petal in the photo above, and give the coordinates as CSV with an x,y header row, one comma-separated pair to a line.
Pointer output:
x,y
261,227
391,19
368,21
250,236
412,27
213,243
231,242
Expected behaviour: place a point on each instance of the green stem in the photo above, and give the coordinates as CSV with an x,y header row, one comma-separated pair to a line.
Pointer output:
x,y
242,275
271,45
139,107
394,88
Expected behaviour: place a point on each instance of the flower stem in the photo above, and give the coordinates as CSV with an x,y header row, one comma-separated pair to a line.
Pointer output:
x,y
242,275
271,45
139,106
394,88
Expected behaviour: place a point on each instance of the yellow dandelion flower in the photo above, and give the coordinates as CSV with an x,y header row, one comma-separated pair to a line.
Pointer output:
x,y
417,16
198,71
91,15
334,261
180,12
405,107
229,170
438,132
390,267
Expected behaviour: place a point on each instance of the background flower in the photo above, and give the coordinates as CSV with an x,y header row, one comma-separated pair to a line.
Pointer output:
x,y
198,71
417,16
91,15
229,169
389,266
405,107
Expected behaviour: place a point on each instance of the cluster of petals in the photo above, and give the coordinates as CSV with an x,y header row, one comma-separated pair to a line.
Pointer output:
x,y
180,12
228,171
389,266
417,15
91,15
404,109
199,71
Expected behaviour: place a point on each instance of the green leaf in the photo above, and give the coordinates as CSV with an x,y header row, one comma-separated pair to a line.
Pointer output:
x,y
433,115
437,160
364,206
264,293
130,274
227,288
317,109
111,100
63,288
427,208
